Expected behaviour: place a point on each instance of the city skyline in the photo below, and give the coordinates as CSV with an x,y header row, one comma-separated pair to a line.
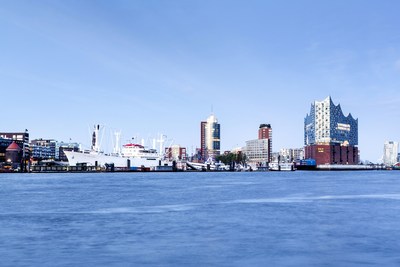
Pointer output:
x,y
158,67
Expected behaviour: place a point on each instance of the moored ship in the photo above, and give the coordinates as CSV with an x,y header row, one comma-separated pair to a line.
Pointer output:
x,y
131,157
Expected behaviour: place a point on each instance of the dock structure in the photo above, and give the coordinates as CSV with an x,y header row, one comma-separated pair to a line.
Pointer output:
x,y
337,167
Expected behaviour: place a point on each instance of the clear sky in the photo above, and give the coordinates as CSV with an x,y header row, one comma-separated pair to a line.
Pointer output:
x,y
148,67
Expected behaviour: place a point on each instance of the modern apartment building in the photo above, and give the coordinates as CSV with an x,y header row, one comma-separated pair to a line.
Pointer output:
x,y
44,149
329,136
50,149
390,153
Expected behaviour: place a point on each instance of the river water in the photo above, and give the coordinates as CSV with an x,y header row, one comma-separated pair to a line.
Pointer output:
x,y
201,219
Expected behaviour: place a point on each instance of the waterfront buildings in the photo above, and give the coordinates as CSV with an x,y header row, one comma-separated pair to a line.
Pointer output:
x,y
175,152
16,156
210,138
44,149
67,146
259,151
50,149
291,154
390,153
4,144
329,136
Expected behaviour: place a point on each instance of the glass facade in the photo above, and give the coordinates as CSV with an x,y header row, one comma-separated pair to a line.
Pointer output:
x,y
327,124
211,138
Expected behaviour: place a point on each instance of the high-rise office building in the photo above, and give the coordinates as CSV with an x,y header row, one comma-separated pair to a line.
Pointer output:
x,y
390,153
329,136
210,138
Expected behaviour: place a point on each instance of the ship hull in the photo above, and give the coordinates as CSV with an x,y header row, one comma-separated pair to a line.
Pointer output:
x,y
102,160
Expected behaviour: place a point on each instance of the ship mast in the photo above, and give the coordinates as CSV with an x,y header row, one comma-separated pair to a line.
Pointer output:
x,y
95,138
117,148
161,141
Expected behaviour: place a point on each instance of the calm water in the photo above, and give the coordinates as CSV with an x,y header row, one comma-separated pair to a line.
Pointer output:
x,y
200,219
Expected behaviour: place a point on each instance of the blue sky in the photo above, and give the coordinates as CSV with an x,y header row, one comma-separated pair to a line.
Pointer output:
x,y
148,67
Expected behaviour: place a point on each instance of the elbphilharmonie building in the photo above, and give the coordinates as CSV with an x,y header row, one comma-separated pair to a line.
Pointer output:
x,y
329,136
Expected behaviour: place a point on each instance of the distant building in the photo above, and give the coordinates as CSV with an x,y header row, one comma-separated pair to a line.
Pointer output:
x,y
329,136
50,149
42,149
20,138
14,155
291,154
175,152
4,143
210,138
64,146
259,150
265,131
16,136
390,153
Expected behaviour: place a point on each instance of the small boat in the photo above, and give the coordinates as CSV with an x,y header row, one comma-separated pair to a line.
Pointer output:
x,y
275,166
209,165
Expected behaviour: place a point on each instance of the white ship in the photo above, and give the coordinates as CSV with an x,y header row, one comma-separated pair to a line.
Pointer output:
x,y
210,164
275,166
132,156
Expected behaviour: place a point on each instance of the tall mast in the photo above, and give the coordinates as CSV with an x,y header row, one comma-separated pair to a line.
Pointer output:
x,y
95,138
117,147
161,141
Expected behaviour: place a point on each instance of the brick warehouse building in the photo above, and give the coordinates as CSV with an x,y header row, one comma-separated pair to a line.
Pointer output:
x,y
329,136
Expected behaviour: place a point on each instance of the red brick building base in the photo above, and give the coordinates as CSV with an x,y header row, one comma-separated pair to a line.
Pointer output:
x,y
332,154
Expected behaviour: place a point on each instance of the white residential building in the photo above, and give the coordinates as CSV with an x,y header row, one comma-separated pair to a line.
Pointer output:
x,y
291,154
257,150
390,153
